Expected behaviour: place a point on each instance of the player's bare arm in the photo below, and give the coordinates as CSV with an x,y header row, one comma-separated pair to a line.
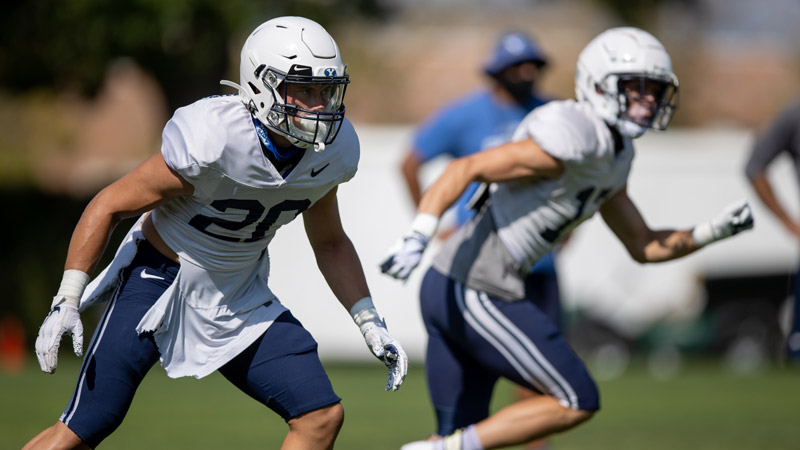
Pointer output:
x,y
336,257
339,263
511,161
644,244
144,188
150,184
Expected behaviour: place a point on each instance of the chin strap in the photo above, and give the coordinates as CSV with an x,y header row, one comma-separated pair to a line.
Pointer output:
x,y
630,129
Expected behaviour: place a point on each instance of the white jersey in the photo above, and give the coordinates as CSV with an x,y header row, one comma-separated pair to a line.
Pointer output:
x,y
219,302
526,219
532,217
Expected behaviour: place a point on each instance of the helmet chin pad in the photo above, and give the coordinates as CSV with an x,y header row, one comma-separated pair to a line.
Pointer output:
x,y
304,128
311,129
630,129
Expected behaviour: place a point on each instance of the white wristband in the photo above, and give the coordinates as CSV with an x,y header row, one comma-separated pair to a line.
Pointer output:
x,y
425,224
703,234
72,284
364,311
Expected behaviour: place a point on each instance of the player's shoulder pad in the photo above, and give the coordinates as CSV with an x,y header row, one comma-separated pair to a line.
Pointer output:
x,y
566,129
197,133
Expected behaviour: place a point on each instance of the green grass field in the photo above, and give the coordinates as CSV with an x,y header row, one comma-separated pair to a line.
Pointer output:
x,y
704,407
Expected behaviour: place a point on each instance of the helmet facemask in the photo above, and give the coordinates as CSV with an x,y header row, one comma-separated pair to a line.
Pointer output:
x,y
307,110
646,101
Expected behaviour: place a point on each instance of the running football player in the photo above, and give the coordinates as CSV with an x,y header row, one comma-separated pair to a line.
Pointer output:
x,y
567,160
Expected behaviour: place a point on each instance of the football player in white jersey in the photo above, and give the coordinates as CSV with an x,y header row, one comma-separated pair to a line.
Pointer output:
x,y
568,160
188,285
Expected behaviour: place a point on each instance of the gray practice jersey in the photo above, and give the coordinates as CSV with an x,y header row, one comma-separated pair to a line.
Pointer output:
x,y
782,136
525,219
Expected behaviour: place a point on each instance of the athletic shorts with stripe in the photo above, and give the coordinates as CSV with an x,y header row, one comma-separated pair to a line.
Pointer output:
x,y
473,339
281,369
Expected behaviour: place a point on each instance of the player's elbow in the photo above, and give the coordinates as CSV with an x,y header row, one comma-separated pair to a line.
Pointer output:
x,y
654,252
637,249
641,246
102,209
638,255
568,418
464,169
579,416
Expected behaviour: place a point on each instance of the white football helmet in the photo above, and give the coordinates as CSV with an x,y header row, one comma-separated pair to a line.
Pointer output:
x,y
620,55
293,51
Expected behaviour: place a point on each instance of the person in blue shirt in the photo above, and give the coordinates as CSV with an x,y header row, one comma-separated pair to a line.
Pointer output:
x,y
482,119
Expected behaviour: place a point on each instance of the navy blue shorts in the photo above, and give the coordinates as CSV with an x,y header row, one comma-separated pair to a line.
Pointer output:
x,y
473,339
542,289
281,369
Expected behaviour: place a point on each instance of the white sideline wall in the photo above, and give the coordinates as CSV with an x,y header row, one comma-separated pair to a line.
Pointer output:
x,y
679,178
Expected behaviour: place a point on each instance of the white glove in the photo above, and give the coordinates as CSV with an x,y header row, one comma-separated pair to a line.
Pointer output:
x,y
735,219
380,342
63,318
406,253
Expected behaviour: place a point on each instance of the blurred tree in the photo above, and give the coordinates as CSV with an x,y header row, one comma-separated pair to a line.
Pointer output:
x,y
185,44
641,13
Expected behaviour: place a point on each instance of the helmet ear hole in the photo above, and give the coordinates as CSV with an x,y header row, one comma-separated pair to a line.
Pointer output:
x,y
254,89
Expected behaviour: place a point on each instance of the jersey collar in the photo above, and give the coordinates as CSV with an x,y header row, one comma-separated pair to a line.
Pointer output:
x,y
280,154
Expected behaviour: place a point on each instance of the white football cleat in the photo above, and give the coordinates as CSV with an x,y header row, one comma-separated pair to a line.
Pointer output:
x,y
450,442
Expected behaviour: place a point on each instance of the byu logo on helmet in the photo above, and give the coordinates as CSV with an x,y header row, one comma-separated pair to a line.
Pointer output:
x,y
330,72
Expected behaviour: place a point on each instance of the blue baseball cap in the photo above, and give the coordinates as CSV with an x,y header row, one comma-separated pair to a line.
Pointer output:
x,y
513,48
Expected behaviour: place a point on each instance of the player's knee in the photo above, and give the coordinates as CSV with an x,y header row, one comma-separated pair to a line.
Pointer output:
x,y
576,417
56,436
568,417
334,417
321,422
